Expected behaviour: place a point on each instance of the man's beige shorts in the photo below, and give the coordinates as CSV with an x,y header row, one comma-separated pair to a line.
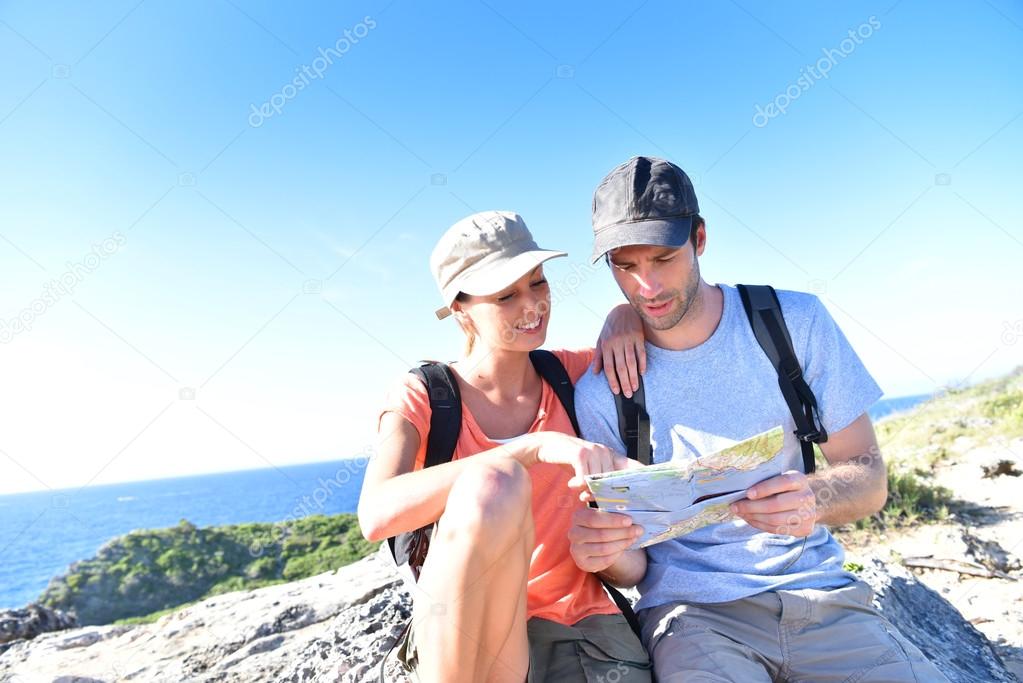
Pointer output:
x,y
800,635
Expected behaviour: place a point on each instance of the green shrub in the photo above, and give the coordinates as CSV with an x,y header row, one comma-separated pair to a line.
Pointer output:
x,y
147,572
912,498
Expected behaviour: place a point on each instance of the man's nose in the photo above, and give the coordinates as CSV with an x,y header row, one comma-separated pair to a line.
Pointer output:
x,y
649,287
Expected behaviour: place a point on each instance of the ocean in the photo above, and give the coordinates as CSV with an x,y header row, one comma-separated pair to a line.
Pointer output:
x,y
41,533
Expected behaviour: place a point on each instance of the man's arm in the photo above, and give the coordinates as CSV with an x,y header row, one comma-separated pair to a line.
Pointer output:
x,y
856,485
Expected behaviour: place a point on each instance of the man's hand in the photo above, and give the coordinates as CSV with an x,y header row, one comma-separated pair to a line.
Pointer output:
x,y
598,538
780,505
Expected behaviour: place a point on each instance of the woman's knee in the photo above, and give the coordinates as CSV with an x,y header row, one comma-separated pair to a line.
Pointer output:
x,y
488,498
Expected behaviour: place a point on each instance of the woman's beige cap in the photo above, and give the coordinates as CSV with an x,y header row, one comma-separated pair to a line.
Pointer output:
x,y
484,253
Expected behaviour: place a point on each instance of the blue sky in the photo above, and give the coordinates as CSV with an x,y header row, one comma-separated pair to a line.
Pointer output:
x,y
240,289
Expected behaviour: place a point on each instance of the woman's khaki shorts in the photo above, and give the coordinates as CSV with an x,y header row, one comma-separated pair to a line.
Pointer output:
x,y
598,648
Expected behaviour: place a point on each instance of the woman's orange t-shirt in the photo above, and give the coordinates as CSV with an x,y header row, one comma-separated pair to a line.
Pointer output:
x,y
557,589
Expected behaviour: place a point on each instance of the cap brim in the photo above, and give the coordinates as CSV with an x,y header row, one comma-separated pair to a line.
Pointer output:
x,y
494,278
662,232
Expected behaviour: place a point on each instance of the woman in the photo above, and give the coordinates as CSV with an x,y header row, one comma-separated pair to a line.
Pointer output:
x,y
499,597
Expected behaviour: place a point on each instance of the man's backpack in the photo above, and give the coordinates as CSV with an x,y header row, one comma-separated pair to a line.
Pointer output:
x,y
768,323
409,549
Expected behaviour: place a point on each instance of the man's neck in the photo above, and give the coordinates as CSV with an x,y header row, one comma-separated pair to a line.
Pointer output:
x,y
696,326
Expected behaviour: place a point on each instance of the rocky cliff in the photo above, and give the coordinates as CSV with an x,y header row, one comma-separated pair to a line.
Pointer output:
x,y
337,627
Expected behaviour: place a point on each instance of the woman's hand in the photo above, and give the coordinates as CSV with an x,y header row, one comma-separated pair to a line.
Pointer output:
x,y
620,350
584,457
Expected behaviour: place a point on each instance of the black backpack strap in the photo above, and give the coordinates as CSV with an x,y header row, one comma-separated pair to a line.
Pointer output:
x,y
410,548
445,425
634,425
625,607
633,421
768,323
553,372
445,411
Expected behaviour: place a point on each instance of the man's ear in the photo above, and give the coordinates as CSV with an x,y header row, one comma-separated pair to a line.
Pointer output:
x,y
701,239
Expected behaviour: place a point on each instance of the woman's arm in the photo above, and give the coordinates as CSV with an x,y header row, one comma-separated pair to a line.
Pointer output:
x,y
396,499
621,350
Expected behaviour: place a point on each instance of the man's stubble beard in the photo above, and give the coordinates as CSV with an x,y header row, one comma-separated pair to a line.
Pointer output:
x,y
692,287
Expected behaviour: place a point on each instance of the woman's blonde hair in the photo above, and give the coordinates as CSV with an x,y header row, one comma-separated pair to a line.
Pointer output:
x,y
470,336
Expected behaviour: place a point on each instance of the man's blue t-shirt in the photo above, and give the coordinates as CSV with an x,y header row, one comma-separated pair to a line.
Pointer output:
x,y
714,395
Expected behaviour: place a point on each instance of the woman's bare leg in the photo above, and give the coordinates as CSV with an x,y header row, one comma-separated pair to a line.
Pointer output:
x,y
469,612
506,667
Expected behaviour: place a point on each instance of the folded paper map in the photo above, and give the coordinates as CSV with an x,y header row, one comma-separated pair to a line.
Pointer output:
x,y
675,498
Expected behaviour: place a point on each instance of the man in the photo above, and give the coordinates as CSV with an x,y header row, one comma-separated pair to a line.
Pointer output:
x,y
763,597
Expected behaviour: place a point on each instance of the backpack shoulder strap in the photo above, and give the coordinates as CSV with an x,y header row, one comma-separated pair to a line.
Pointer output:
x,y
445,411
634,425
552,371
409,548
765,318
633,421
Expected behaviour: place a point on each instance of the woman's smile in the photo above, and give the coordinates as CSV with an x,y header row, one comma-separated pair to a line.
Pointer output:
x,y
530,328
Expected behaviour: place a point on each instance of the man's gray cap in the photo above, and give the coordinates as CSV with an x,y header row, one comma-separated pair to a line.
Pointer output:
x,y
646,200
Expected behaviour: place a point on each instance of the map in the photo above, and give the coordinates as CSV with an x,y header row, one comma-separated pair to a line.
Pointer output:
x,y
675,498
